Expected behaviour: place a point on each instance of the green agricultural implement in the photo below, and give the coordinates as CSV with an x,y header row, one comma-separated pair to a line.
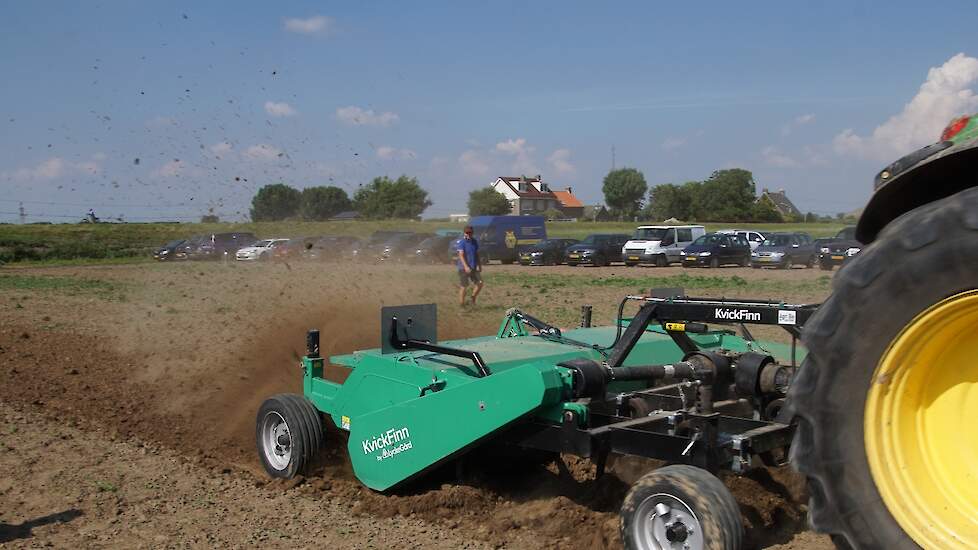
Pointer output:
x,y
664,384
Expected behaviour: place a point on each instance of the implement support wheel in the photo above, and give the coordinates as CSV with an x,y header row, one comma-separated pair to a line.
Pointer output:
x,y
680,507
886,399
289,435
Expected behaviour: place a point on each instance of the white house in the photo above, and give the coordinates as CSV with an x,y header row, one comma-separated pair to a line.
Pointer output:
x,y
526,195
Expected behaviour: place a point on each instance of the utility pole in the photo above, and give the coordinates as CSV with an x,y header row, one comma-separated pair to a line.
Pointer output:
x,y
23,214
612,157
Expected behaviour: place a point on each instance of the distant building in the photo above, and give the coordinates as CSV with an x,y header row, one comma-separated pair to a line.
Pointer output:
x,y
458,218
526,195
780,201
570,205
596,213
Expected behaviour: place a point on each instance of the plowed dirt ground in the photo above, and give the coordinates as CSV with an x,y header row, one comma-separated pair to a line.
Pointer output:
x,y
128,395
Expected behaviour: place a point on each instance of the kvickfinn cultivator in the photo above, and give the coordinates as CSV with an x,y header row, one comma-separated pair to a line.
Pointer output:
x,y
662,384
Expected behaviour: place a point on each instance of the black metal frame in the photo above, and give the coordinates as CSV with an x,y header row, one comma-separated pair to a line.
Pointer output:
x,y
676,431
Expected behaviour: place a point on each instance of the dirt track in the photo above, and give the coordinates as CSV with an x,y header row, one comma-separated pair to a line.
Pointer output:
x,y
139,403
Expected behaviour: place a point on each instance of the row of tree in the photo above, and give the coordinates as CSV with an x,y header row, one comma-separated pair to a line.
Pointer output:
x,y
382,198
726,196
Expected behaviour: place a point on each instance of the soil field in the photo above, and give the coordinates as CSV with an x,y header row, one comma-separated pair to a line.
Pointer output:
x,y
128,395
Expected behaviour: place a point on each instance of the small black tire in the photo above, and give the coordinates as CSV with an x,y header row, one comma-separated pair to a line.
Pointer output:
x,y
745,262
661,261
824,266
294,418
921,258
714,262
680,502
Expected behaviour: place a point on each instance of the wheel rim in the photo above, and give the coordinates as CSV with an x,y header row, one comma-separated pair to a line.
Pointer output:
x,y
276,441
665,522
920,453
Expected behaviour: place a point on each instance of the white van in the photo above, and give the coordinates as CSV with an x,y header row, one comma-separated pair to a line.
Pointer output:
x,y
659,244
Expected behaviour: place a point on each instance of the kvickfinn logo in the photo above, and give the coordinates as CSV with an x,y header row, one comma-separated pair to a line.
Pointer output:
x,y
737,314
390,443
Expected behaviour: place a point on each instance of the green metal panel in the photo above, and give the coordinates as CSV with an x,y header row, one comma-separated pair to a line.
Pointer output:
x,y
394,443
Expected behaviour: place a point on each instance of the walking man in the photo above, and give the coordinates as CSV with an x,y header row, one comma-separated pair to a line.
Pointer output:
x,y
469,266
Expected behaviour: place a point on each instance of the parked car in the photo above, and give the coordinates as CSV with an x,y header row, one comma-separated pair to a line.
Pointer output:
x,y
596,249
784,250
333,248
716,249
504,238
546,252
292,249
221,245
838,250
402,247
754,238
659,244
259,250
168,251
184,250
435,250
370,250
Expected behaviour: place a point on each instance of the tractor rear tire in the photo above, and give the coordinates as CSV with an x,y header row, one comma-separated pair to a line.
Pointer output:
x,y
289,435
677,505
889,378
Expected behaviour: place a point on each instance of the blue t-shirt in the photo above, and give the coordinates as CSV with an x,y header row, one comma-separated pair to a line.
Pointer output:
x,y
470,250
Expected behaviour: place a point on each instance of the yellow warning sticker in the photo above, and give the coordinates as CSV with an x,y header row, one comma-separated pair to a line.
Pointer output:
x,y
676,327
345,422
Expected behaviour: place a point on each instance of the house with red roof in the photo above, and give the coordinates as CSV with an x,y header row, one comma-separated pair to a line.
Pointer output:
x,y
532,196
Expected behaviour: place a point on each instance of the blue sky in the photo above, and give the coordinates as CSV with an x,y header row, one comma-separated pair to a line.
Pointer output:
x,y
164,111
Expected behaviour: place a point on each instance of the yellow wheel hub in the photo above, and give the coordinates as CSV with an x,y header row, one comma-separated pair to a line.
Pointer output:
x,y
921,425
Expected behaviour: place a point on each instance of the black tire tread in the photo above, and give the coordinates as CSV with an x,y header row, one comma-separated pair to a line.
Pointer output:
x,y
918,259
305,425
712,502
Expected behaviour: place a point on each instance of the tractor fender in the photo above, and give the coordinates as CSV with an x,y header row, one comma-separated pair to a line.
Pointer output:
x,y
931,173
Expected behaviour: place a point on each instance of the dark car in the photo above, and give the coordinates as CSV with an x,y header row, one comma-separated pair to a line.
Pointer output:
x,y
716,249
332,248
546,252
221,245
435,250
168,251
400,248
371,249
838,250
783,251
597,249
185,249
292,249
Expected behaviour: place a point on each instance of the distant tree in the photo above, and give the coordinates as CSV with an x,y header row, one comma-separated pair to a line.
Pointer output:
x,y
726,196
553,214
210,218
810,217
624,190
488,202
672,201
321,202
275,202
763,210
384,198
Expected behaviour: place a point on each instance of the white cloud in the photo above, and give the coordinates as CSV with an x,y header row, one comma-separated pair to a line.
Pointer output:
x,y
47,170
773,157
513,146
946,93
279,109
560,161
673,143
473,163
221,149
797,122
522,153
390,153
355,116
171,169
263,152
317,24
